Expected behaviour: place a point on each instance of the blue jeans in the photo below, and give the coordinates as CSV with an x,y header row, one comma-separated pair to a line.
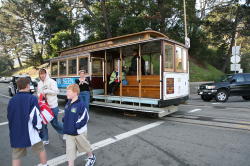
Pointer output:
x,y
58,126
85,96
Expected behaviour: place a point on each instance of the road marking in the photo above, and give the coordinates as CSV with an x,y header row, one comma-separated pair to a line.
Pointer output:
x,y
5,96
195,110
4,123
62,159
216,103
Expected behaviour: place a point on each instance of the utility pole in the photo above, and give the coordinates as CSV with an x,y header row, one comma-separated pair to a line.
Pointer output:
x,y
185,18
187,40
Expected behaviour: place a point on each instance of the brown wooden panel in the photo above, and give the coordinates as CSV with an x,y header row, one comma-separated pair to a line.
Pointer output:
x,y
150,87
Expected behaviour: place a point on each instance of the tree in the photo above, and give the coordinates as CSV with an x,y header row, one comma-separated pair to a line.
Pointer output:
x,y
222,24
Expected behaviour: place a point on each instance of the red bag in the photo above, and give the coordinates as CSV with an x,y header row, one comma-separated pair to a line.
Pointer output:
x,y
46,112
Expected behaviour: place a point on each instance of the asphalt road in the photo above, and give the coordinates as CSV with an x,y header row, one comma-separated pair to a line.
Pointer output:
x,y
200,133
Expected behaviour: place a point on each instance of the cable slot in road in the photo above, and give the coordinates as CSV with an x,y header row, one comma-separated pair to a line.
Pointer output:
x,y
210,121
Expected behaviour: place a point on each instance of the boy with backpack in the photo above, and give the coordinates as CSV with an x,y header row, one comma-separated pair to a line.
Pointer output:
x,y
24,124
75,127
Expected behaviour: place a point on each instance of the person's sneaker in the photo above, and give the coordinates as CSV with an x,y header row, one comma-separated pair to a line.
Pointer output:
x,y
91,161
46,142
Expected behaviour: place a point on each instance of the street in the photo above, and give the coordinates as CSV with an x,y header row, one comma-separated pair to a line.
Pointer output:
x,y
200,133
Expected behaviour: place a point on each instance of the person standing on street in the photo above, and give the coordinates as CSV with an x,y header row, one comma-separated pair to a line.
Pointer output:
x,y
48,88
84,84
75,122
24,124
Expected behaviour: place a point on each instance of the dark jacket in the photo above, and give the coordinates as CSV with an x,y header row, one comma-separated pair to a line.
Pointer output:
x,y
75,118
24,120
133,67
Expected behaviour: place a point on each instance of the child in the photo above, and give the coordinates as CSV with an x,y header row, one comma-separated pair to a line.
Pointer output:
x,y
24,122
75,127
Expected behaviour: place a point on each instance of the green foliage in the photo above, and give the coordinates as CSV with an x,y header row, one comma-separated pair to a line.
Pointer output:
x,y
5,64
204,73
60,41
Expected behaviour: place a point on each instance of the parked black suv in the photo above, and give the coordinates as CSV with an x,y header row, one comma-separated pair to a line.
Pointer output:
x,y
233,85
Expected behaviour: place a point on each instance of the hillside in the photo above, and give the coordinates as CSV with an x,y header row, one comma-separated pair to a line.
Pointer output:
x,y
205,72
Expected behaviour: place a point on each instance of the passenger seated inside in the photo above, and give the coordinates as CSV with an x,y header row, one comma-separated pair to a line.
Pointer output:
x,y
114,81
133,67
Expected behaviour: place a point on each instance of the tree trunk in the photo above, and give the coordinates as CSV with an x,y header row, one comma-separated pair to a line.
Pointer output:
x,y
40,54
19,61
105,17
227,58
161,16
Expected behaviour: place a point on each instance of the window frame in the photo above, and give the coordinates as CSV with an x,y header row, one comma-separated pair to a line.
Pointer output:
x,y
78,64
76,72
51,64
65,60
173,60
184,61
96,74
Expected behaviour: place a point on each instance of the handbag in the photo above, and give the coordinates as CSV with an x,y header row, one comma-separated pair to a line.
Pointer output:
x,y
46,112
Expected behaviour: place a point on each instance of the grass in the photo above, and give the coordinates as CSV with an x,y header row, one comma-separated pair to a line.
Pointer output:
x,y
205,73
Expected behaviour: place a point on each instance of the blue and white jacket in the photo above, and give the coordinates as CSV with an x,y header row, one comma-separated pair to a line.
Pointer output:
x,y
75,118
24,120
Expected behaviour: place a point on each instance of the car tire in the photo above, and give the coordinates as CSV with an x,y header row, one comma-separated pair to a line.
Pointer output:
x,y
10,93
221,96
246,97
206,98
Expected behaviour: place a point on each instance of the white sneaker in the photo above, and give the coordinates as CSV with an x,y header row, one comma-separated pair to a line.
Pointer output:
x,y
46,142
91,161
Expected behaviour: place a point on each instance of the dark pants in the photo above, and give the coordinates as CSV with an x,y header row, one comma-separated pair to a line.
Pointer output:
x,y
113,87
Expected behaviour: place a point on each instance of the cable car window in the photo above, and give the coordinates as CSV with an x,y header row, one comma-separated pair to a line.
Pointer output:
x,y
54,68
178,59
62,68
83,64
72,66
97,66
169,57
184,58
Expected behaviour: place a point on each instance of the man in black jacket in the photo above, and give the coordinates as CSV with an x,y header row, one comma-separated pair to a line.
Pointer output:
x,y
133,67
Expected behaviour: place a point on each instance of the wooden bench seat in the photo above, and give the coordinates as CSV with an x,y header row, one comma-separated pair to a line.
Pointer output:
x,y
150,87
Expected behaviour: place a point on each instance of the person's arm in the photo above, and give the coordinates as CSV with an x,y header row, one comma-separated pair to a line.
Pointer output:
x,y
83,117
53,90
39,89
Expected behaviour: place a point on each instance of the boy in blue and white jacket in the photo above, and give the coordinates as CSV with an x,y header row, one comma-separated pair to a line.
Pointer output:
x,y
75,127
24,124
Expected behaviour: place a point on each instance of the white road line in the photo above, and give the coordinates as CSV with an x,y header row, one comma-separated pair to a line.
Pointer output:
x,y
195,110
62,159
5,96
4,123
